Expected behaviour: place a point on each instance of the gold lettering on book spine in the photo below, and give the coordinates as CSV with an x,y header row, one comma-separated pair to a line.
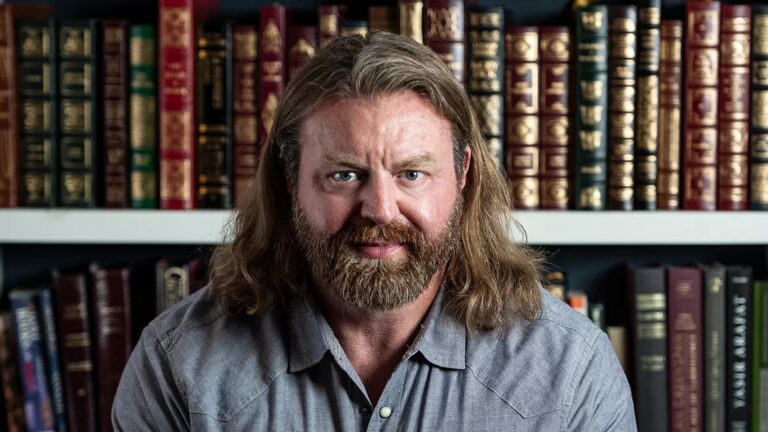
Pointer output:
x,y
272,42
485,20
246,45
176,181
76,42
444,23
650,16
704,27
410,20
523,47
592,21
591,198
648,112
736,25
35,41
554,47
760,109
177,27
759,184
734,49
268,111
329,24
760,35
590,141
525,192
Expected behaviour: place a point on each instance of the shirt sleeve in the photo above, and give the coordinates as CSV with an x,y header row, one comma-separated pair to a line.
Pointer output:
x,y
148,397
602,399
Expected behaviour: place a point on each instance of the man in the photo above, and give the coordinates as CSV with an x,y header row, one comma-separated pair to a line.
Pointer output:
x,y
372,282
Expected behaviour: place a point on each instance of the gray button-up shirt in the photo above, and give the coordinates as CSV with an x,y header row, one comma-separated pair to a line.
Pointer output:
x,y
198,368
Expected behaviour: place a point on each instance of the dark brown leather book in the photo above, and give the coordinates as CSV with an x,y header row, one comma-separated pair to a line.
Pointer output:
x,y
670,84
445,33
271,64
411,19
330,19
554,121
758,147
302,43
114,66
701,102
9,376
521,107
383,18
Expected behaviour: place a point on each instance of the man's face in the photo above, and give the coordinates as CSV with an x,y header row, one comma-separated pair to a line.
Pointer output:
x,y
377,205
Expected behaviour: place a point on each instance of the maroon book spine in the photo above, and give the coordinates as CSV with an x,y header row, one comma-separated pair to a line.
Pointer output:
x,y
76,355
700,121
733,121
670,83
245,117
112,334
9,375
302,43
115,79
445,33
685,349
330,18
271,64
554,119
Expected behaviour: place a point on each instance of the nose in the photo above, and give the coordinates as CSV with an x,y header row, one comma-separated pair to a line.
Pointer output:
x,y
379,200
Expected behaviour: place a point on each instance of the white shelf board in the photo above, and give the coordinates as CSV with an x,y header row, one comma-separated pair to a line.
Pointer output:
x,y
62,226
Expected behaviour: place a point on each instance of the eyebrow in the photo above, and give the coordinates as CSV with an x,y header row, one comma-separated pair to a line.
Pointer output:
x,y
353,163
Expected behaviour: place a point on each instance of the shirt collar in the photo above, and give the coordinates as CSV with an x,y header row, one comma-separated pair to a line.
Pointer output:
x,y
307,338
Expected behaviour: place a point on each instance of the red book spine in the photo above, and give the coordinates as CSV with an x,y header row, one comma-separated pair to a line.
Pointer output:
x,y
302,43
733,123
685,349
700,121
245,118
115,67
271,64
445,33
9,376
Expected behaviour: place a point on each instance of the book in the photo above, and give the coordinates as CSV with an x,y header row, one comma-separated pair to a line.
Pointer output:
x,y
114,65
618,338
383,18
596,314
302,43
578,301
143,116
173,283
758,147
760,357
445,33
49,331
555,283
670,97
714,347
271,64
354,27
330,18
411,19
738,393
9,376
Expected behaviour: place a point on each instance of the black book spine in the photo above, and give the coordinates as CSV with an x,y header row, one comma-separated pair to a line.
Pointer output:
x,y
739,349
714,348
758,148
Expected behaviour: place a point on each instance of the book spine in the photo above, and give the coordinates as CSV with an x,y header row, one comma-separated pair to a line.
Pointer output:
x,y
76,356
758,148
330,18
622,24
521,118
733,120
172,284
445,33
143,117
9,373
685,345
383,18
485,76
271,64
114,64
112,334
213,153
760,358
554,119
700,120
302,43
714,348
670,84
38,149
51,352
591,100
649,300
738,393
78,121
354,27
411,19
647,102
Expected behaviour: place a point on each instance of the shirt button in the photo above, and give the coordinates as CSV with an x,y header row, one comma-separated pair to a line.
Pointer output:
x,y
385,412
365,410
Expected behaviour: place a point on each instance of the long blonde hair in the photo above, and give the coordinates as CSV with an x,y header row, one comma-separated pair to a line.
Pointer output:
x,y
491,281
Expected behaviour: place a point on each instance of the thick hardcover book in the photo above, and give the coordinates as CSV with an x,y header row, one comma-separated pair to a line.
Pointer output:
x,y
670,83
143,116
302,43
79,136
733,120
35,382
647,103
411,19
554,119
445,33
485,74
521,118
758,147
244,128
649,332
591,100
111,305
330,18
271,64
760,357
114,66
702,40
173,283
383,18
214,152
76,357
622,24
555,283
9,376
49,331
9,96
685,348
37,123
738,394
714,347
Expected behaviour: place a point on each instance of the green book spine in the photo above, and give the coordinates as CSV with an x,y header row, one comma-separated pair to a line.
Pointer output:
x,y
591,96
758,160
78,115
760,358
143,116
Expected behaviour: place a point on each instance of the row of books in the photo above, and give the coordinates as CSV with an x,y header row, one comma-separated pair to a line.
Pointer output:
x,y
63,347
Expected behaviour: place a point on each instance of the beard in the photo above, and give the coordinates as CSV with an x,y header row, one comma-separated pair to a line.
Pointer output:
x,y
367,284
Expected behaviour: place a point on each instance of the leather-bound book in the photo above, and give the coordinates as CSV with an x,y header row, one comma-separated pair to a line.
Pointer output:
x,y
9,102
302,43
670,84
738,394
702,46
383,18
243,48
485,74
411,19
330,19
36,49
591,103
114,66
76,356
622,76
521,118
214,153
143,116
271,64
685,348
173,283
554,119
758,147
647,103
733,120
714,347
111,305
445,33
760,356
9,376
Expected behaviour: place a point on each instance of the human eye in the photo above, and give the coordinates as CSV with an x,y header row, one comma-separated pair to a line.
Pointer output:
x,y
345,176
413,175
